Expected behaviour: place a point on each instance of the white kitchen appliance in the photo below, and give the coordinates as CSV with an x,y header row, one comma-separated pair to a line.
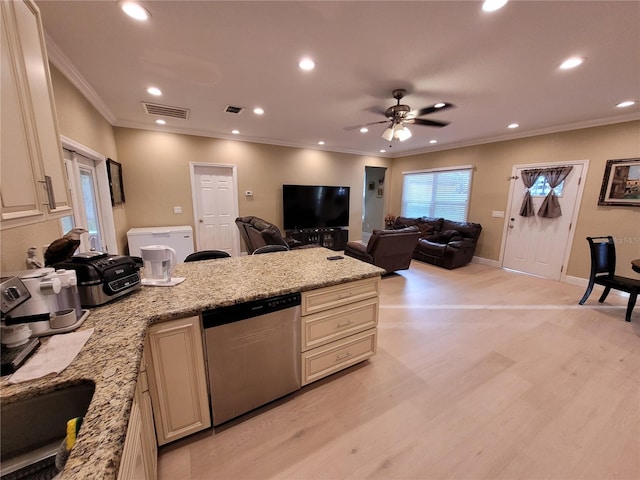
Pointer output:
x,y
158,262
180,238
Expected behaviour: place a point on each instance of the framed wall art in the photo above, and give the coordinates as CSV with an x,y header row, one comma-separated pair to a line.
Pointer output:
x,y
621,183
114,171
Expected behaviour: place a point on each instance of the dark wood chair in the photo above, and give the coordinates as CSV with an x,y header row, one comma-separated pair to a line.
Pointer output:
x,y
206,255
603,266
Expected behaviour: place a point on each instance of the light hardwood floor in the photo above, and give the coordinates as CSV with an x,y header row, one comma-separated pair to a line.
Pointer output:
x,y
480,374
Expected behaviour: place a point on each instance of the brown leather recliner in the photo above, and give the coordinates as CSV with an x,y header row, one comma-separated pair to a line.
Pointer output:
x,y
388,249
256,233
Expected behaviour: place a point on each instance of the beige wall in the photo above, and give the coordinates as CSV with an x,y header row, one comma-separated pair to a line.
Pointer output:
x,y
156,178
78,120
493,164
156,175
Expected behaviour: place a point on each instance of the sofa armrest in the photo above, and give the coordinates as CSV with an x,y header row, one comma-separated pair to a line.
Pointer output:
x,y
357,250
464,243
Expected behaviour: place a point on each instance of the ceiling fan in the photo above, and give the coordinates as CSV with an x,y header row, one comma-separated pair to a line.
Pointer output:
x,y
399,116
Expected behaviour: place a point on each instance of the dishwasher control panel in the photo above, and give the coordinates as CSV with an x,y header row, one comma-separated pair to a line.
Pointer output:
x,y
242,311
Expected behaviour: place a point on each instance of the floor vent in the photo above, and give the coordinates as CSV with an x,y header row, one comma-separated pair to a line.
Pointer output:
x,y
232,109
165,110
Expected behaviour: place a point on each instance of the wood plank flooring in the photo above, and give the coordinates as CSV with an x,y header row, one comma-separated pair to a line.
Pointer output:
x,y
481,373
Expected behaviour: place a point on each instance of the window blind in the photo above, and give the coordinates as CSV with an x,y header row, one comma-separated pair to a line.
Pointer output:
x,y
437,193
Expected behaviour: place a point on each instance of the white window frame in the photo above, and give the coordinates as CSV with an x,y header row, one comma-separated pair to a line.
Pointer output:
x,y
104,196
471,168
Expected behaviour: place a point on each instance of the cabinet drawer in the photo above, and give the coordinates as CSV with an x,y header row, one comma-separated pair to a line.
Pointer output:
x,y
331,325
331,358
336,295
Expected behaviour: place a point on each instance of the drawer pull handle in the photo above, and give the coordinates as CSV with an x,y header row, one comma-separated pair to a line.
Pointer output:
x,y
343,356
345,324
345,295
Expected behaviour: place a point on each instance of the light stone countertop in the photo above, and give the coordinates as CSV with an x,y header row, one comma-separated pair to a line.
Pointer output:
x,y
111,357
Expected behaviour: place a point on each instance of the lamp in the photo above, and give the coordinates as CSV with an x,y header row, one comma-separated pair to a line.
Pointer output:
x,y
388,134
402,132
396,131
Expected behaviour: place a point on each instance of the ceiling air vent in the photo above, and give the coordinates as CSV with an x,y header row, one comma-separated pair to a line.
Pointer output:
x,y
232,109
165,110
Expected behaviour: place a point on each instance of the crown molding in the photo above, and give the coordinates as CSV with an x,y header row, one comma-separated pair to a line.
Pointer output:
x,y
62,63
630,117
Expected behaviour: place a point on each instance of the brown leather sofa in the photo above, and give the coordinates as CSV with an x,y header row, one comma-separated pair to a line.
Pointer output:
x,y
256,233
388,249
442,242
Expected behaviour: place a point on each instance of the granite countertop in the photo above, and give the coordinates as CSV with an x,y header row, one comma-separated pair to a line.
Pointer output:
x,y
111,357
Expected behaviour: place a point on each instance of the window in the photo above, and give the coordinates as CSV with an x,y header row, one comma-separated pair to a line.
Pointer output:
x,y
437,193
542,188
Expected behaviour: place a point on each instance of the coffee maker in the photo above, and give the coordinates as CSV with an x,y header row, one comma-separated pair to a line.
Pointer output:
x,y
17,344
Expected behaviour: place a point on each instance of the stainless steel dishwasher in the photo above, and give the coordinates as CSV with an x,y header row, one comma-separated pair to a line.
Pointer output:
x,y
253,354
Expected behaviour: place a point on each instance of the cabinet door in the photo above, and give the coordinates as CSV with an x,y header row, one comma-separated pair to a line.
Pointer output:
x,y
150,445
34,185
177,379
132,465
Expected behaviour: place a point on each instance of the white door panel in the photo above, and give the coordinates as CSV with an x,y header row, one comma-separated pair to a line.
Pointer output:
x,y
538,245
215,207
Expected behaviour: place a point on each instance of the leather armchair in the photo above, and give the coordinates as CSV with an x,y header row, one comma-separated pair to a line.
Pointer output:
x,y
388,249
256,233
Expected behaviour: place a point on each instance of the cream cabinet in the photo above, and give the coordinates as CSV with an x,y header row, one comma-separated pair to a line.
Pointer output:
x,y
140,452
33,185
339,327
177,378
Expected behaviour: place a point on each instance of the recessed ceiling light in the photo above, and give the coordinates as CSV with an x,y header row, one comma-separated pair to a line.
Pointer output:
x,y
433,141
235,132
493,5
307,64
513,125
572,62
439,105
161,122
154,91
258,111
321,142
135,11
626,103
364,130
382,151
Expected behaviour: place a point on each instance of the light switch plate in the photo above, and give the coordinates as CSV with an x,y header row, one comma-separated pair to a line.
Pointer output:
x,y
497,214
177,209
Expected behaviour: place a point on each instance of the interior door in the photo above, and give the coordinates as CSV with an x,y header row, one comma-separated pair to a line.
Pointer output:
x,y
538,245
215,207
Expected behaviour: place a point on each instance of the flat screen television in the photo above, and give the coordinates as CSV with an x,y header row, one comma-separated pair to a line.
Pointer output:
x,y
315,206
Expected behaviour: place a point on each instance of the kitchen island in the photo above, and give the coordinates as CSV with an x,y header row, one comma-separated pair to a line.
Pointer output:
x,y
111,357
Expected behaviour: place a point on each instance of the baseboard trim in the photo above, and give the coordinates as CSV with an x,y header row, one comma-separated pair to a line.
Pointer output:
x,y
486,261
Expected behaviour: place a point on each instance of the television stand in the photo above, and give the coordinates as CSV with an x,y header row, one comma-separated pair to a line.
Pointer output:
x,y
333,238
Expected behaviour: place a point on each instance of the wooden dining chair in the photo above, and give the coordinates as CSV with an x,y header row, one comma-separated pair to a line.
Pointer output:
x,y
603,266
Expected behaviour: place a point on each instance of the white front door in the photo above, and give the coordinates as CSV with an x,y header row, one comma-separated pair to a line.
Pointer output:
x,y
215,205
539,245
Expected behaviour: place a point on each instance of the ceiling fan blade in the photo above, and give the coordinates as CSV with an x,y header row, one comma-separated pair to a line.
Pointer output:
x,y
433,108
356,127
429,123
